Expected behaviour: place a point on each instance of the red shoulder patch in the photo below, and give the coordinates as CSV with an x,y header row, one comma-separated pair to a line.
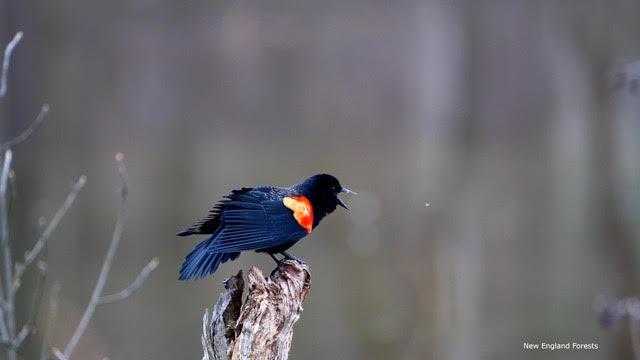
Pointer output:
x,y
302,211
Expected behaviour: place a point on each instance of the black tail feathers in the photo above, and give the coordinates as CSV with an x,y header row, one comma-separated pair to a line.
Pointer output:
x,y
201,262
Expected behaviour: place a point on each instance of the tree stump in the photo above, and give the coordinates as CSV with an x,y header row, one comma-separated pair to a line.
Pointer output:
x,y
262,327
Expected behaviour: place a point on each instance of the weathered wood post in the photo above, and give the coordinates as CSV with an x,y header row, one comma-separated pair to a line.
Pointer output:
x,y
262,327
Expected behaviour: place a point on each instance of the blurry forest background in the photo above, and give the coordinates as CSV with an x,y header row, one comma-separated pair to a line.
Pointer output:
x,y
501,115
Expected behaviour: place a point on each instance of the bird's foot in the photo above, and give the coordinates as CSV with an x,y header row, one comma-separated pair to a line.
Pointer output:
x,y
288,256
278,261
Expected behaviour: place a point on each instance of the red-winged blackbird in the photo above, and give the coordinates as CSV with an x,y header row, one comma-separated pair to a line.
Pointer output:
x,y
265,219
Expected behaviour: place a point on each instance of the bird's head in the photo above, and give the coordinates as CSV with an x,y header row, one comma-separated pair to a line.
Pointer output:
x,y
323,190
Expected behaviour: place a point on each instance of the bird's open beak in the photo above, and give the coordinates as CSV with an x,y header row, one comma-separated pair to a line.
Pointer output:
x,y
345,190
341,203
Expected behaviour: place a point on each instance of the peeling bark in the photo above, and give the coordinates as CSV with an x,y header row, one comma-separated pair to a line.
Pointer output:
x,y
262,327
219,331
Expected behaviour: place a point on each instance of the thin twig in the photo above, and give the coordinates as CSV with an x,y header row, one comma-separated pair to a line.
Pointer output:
x,y
30,325
43,271
58,354
28,131
32,254
51,321
6,249
4,305
7,59
135,285
106,265
4,334
21,337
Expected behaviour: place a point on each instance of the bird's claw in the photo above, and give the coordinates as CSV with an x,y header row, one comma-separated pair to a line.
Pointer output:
x,y
288,256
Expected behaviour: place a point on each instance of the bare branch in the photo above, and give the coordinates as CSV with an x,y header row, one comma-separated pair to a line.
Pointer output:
x,y
43,271
58,354
4,232
135,285
7,59
10,321
106,265
51,321
32,254
4,334
21,337
30,325
30,130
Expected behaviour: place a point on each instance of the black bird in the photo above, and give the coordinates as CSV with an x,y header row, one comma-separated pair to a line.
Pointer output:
x,y
265,219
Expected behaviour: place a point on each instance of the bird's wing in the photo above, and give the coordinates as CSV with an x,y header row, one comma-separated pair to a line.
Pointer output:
x,y
255,219
211,222
207,225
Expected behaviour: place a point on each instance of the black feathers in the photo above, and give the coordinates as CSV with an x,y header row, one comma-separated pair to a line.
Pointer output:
x,y
209,224
256,219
